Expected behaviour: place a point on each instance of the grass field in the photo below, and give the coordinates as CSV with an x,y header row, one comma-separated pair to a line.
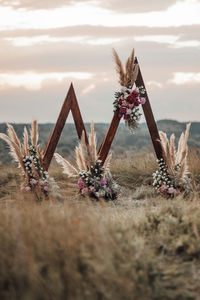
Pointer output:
x,y
138,247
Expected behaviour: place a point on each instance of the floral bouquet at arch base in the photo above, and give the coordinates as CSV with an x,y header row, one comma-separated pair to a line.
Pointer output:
x,y
95,179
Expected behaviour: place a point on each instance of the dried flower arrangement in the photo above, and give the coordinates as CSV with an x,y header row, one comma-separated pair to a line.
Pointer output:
x,y
172,178
95,179
30,160
128,99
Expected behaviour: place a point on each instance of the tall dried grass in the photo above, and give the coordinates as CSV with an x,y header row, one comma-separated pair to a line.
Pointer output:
x,y
78,249
128,76
173,157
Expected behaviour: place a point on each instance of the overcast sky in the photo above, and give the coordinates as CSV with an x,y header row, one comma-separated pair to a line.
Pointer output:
x,y
46,45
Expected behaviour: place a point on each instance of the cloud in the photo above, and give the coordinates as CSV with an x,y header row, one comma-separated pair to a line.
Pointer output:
x,y
88,89
180,78
34,81
33,60
38,4
99,31
20,105
126,6
172,40
134,6
83,13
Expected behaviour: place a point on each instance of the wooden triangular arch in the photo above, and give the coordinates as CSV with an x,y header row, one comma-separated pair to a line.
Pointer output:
x,y
71,103
153,130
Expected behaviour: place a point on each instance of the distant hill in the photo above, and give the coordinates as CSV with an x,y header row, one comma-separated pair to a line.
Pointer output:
x,y
123,142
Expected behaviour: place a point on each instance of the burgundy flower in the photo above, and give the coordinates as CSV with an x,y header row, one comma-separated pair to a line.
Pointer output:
x,y
135,94
130,99
137,103
122,110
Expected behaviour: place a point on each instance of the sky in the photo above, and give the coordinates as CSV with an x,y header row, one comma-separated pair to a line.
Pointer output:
x,y
46,45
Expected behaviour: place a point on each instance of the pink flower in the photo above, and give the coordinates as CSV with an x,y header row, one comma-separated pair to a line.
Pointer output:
x,y
27,188
120,115
46,188
142,100
91,188
125,117
131,105
163,188
84,191
124,103
128,111
81,183
103,181
33,181
41,182
171,190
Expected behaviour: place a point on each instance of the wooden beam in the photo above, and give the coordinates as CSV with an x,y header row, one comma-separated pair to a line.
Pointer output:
x,y
80,127
153,130
70,103
107,141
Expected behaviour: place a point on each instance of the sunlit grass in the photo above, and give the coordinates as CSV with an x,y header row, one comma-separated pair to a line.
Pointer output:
x,y
138,247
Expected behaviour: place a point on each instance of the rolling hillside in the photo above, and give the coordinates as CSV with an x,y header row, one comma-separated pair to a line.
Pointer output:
x,y
123,141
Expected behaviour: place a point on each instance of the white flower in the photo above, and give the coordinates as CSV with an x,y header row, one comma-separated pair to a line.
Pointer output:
x,y
128,111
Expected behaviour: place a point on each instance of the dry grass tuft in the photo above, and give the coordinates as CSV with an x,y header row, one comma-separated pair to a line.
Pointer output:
x,y
139,247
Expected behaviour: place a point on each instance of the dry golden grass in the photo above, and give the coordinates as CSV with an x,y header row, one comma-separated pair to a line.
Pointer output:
x,y
138,247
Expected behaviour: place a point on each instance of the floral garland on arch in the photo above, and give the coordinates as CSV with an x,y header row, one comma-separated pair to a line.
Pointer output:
x,y
130,97
95,179
172,178
30,160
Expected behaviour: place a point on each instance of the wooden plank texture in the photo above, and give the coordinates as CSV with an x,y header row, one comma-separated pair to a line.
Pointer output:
x,y
108,139
80,127
70,103
55,136
153,130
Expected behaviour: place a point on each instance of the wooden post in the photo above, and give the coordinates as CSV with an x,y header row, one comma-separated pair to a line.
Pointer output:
x,y
80,127
153,130
70,103
108,139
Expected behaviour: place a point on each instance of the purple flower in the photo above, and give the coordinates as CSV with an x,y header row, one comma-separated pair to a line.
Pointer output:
x,y
142,100
81,183
84,191
103,181
46,188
